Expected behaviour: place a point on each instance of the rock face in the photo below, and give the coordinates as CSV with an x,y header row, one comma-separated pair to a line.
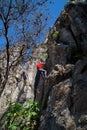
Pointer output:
x,y
20,84
63,94
65,90
77,1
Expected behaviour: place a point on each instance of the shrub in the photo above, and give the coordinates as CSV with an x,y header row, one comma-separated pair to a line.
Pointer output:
x,y
45,55
19,117
55,35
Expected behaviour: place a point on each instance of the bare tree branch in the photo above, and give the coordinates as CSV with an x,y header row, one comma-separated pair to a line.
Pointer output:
x,y
29,21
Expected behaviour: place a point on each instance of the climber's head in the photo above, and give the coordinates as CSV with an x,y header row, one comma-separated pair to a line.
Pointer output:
x,y
41,60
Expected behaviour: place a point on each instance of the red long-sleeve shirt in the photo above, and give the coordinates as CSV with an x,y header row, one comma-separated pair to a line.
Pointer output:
x,y
40,65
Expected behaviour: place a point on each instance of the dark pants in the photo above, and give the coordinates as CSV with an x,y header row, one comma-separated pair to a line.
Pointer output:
x,y
41,73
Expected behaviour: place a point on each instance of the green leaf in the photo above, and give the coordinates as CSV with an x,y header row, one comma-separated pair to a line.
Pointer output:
x,y
12,127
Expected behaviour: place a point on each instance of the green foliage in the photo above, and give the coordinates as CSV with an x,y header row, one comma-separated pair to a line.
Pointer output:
x,y
20,117
55,35
45,55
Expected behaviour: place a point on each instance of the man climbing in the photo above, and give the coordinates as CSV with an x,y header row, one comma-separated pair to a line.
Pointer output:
x,y
40,72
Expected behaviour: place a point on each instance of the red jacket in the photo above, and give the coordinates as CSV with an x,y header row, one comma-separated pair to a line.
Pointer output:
x,y
40,65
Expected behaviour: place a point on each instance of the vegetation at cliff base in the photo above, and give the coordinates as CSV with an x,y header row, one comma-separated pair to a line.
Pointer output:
x,y
19,117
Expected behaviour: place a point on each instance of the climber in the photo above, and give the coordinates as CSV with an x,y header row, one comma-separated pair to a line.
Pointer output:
x,y
41,71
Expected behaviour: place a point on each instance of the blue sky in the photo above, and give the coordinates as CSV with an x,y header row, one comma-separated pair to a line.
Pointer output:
x,y
55,10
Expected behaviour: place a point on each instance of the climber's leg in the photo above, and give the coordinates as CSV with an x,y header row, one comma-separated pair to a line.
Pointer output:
x,y
43,73
37,78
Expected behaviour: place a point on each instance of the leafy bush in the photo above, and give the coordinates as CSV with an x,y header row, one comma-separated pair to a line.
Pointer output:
x,y
55,35
45,55
19,117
